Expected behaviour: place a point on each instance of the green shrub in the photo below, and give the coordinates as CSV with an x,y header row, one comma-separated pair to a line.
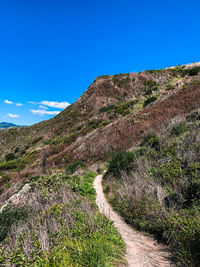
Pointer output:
x,y
23,152
121,81
123,107
191,191
8,185
84,185
193,170
148,91
57,140
9,156
11,215
30,157
170,87
150,83
183,230
149,100
107,108
103,123
119,98
127,112
75,166
194,116
169,172
178,129
151,140
98,123
191,72
7,165
150,86
16,149
36,140
120,161
95,123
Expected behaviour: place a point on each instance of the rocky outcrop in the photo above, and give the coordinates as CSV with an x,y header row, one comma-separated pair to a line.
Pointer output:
x,y
17,198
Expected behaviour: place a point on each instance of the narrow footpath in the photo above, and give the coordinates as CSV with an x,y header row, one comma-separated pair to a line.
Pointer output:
x,y
141,250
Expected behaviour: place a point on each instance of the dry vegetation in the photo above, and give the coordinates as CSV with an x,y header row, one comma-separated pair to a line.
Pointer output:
x,y
57,224
156,188
58,220
101,121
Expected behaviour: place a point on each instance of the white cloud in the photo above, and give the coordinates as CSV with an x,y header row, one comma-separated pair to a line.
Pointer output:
x,y
33,103
55,104
8,102
13,115
40,106
43,112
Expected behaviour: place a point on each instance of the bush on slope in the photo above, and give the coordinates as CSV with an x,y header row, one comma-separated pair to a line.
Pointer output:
x,y
162,193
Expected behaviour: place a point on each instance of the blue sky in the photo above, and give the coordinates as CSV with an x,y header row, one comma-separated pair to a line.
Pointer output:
x,y
51,50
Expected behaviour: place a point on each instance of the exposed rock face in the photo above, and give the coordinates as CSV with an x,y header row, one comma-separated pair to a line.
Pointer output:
x,y
17,198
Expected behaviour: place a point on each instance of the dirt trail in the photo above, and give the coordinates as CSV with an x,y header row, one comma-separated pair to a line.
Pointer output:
x,y
141,250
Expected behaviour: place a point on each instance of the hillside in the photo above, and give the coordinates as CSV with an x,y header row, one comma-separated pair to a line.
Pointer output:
x,y
6,125
156,187
114,113
143,130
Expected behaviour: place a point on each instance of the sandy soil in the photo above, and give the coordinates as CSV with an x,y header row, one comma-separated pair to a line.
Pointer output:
x,y
141,250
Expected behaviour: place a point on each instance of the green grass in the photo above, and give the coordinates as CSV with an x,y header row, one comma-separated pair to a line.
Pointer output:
x,y
75,233
9,165
85,247
84,185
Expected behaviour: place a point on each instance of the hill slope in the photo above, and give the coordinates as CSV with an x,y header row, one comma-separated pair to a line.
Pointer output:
x,y
115,113
156,187
49,217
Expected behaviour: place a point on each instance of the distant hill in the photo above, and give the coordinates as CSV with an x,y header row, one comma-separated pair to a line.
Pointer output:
x,y
6,125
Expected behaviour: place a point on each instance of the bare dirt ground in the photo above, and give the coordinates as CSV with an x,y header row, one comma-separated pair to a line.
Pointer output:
x,y
141,250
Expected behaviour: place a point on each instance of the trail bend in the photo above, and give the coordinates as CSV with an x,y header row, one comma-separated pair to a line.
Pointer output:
x,y
141,250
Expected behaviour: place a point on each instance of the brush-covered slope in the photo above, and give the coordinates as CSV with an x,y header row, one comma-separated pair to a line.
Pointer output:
x,y
156,187
114,113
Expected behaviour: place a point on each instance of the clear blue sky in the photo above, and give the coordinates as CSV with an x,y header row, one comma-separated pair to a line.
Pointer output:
x,y
51,50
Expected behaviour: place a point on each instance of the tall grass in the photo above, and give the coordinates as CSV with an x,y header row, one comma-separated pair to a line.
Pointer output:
x,y
64,227
161,195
